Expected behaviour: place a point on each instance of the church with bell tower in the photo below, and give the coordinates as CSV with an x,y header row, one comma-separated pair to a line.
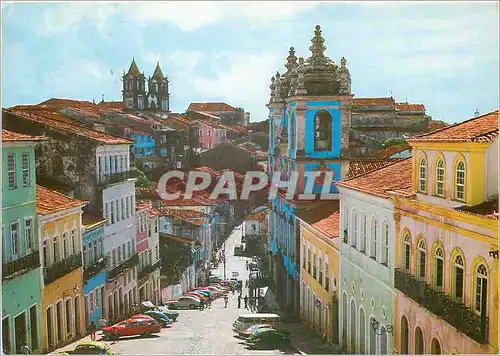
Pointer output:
x,y
309,115
135,96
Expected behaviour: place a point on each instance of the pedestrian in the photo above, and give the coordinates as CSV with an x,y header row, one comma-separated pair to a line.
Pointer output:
x,y
239,301
246,265
232,288
202,304
246,283
246,301
209,302
226,299
92,331
25,349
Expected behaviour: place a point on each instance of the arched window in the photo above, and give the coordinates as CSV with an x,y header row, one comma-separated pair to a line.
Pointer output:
x,y
481,290
385,243
419,341
435,347
422,171
439,265
353,326
383,344
405,336
460,181
407,252
374,241
346,224
458,276
373,338
440,178
323,131
344,321
362,331
362,247
354,228
421,259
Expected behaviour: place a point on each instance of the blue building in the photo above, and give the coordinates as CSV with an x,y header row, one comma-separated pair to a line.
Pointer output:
x,y
309,112
144,145
94,268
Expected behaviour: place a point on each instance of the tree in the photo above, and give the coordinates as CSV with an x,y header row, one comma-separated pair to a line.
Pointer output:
x,y
142,181
393,141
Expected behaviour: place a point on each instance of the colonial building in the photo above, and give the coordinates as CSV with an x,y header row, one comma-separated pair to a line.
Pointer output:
x,y
228,114
59,229
367,257
319,271
446,249
21,288
211,134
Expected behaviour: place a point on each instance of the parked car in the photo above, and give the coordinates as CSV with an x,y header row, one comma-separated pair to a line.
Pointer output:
x,y
89,348
147,305
160,317
252,329
185,302
267,339
130,327
146,316
200,296
205,292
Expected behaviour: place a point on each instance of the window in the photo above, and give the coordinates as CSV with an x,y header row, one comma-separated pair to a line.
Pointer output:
x,y
421,259
362,332
383,344
74,243
11,168
14,237
129,246
422,175
118,212
106,212
65,245
112,212
91,301
419,341
440,178
346,224
119,255
481,290
458,270
114,257
25,165
28,233
438,261
407,252
91,254
140,102
127,206
327,275
96,252
373,338
45,253
123,251
303,253
323,131
363,233
460,181
355,228
385,247
309,260
353,327
123,208
405,335
157,252
373,250
156,225
68,317
320,268
435,347
314,266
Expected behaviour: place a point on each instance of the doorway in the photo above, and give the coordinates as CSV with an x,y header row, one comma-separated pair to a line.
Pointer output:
x,y
50,328
6,333
77,315
20,328
34,327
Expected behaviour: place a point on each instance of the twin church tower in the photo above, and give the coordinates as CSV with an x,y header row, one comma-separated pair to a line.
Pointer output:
x,y
135,96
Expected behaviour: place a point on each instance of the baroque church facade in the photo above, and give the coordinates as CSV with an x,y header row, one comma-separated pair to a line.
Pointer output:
x,y
135,95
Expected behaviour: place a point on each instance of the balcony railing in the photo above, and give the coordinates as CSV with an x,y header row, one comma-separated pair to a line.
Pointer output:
x,y
454,313
61,268
131,262
93,269
23,264
112,178
148,269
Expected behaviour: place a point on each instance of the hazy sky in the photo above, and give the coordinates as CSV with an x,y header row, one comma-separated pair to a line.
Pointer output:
x,y
444,55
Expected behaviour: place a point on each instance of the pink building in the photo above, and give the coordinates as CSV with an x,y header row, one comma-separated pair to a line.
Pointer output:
x,y
211,134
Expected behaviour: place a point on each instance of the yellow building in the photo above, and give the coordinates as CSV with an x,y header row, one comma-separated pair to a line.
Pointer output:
x,y
446,278
59,224
319,272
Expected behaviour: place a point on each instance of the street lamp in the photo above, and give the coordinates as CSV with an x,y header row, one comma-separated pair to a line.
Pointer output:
x,y
384,329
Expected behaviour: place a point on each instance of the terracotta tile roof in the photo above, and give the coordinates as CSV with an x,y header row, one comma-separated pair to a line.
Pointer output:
x,y
44,119
12,136
259,216
112,105
391,150
210,107
324,217
143,205
207,115
58,103
436,124
89,220
209,170
396,176
483,128
49,201
410,107
373,101
488,209
212,124
360,167
192,217
183,239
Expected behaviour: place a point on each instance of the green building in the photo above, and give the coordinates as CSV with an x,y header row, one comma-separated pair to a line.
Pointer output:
x,y
21,274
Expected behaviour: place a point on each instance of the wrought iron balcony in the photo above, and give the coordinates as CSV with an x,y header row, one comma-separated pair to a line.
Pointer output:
x,y
22,265
112,178
131,262
93,269
61,268
148,269
454,313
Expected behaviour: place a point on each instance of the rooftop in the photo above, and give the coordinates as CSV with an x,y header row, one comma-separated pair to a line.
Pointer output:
x,y
387,152
483,128
324,217
210,107
410,107
259,216
362,166
11,136
192,217
373,101
49,201
89,220
395,177
488,209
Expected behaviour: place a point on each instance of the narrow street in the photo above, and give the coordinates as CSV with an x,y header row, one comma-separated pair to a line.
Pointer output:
x,y
200,332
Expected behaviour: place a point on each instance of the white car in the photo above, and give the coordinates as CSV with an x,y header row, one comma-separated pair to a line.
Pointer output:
x,y
187,302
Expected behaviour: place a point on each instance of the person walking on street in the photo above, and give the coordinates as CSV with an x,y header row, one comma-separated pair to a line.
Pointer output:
x,y
202,304
92,331
25,349
209,302
246,301
226,299
239,301
246,265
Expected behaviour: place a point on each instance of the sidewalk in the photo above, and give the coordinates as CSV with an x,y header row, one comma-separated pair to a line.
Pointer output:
x,y
75,343
307,342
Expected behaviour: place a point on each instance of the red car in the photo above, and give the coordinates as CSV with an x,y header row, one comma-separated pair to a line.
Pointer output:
x,y
130,327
